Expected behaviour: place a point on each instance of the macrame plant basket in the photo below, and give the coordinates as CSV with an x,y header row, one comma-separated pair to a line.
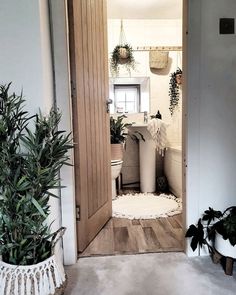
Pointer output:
x,y
122,54
45,278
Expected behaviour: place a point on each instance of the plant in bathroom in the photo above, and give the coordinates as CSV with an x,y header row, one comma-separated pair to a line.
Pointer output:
x,y
175,81
118,131
122,55
30,161
118,136
212,222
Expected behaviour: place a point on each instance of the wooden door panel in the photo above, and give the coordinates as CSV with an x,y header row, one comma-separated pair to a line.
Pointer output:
x,y
88,58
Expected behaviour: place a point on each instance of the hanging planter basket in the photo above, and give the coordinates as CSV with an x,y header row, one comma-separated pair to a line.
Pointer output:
x,y
122,54
178,79
174,86
45,278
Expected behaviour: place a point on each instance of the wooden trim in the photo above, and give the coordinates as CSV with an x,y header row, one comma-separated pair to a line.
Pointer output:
x,y
158,48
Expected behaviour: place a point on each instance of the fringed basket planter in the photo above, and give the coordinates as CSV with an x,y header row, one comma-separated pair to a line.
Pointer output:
x,y
45,278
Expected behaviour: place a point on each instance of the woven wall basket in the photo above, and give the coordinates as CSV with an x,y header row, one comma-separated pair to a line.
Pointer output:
x,y
44,278
158,59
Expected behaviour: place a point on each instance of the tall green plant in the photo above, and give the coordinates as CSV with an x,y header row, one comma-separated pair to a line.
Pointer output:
x,y
30,161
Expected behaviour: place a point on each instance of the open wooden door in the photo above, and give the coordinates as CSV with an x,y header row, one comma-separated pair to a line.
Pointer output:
x,y
89,75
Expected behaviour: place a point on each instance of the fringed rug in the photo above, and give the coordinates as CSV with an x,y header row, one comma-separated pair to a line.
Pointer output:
x,y
146,206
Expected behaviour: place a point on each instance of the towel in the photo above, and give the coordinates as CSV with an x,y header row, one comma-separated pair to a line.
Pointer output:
x,y
157,129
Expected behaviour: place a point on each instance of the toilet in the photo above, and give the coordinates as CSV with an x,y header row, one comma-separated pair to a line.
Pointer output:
x,y
116,166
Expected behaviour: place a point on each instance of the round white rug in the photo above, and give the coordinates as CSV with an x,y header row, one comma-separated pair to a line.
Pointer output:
x,y
145,206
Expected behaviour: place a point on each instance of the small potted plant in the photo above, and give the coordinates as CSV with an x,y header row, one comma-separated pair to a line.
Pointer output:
x,y
174,86
30,161
217,231
122,55
118,135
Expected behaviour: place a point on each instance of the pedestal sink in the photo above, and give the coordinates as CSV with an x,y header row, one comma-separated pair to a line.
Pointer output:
x,y
147,159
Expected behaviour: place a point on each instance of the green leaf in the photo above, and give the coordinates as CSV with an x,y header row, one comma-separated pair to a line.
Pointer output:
x,y
210,215
197,234
39,208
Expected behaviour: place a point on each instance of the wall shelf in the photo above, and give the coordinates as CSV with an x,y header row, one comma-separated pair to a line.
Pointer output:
x,y
159,48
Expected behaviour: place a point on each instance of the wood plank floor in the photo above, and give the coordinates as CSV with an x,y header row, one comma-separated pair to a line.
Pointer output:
x,y
124,236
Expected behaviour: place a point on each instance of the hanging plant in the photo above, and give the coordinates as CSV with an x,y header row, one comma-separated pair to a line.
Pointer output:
x,y
175,81
122,55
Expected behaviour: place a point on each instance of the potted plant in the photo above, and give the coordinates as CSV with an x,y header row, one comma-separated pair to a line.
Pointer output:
x,y
122,55
174,86
30,161
217,231
118,135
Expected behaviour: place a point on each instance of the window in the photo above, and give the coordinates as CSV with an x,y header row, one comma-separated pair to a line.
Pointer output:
x,y
130,95
126,98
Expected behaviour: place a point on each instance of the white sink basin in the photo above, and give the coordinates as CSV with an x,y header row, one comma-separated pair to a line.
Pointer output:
x,y
147,159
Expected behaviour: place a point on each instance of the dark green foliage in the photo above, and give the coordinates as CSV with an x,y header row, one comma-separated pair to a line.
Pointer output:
x,y
210,215
204,231
174,90
116,60
197,234
30,162
117,129
118,132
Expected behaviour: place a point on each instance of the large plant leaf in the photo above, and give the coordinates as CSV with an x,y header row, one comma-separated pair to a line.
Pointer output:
x,y
197,234
210,215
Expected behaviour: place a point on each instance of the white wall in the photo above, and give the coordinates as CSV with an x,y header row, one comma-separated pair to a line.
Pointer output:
x,y
26,60
24,51
211,118
154,33
150,32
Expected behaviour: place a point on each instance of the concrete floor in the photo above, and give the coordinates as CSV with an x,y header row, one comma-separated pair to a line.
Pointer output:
x,y
149,274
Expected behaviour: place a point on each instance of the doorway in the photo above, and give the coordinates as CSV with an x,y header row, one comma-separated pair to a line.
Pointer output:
x,y
172,225
123,228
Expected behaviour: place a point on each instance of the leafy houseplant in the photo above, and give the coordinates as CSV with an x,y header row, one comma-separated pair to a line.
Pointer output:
x,y
118,128
122,55
211,223
30,161
175,81
118,135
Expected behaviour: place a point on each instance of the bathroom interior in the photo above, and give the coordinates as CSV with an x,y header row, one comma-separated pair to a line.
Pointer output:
x,y
142,96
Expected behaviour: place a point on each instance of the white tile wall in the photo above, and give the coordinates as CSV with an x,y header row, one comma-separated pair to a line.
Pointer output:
x,y
150,33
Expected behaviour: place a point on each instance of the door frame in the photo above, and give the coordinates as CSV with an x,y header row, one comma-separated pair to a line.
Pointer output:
x,y
58,17
68,212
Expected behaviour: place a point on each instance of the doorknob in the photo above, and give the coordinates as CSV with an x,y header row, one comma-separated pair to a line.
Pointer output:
x,y
108,102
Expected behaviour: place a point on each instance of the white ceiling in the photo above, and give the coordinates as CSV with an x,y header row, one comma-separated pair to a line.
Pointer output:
x,y
144,9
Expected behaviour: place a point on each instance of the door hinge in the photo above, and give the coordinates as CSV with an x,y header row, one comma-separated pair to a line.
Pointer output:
x,y
78,212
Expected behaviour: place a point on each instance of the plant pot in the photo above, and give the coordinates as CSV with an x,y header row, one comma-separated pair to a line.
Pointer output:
x,y
224,247
123,53
45,278
123,56
178,79
117,151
